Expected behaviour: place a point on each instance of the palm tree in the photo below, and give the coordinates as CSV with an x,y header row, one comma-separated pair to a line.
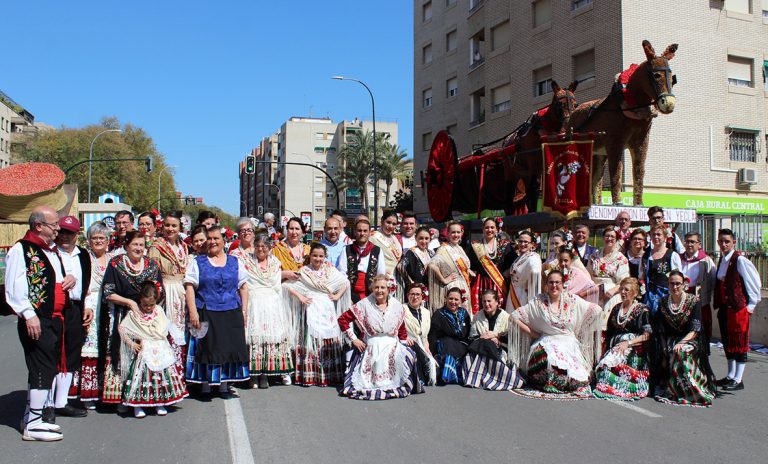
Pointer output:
x,y
393,164
356,158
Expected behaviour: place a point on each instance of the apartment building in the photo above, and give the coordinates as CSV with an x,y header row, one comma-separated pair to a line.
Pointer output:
x,y
481,67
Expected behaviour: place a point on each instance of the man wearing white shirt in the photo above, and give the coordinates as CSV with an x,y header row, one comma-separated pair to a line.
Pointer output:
x,y
737,292
408,231
700,270
361,261
36,289
656,218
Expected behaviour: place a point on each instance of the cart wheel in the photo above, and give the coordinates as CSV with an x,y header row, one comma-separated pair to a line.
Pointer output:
x,y
441,176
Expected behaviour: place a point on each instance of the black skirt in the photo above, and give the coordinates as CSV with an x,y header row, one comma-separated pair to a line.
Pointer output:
x,y
225,340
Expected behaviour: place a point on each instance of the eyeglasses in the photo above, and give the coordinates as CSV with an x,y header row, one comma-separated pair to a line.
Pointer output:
x,y
675,284
52,225
691,242
638,239
122,223
657,218
555,283
246,231
98,239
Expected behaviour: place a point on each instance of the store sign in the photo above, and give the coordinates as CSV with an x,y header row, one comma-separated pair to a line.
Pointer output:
x,y
640,213
703,204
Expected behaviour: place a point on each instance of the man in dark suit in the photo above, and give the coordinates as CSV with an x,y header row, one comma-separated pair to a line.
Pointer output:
x,y
580,246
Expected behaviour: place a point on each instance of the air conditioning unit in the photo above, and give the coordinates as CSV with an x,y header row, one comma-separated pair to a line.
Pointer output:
x,y
747,176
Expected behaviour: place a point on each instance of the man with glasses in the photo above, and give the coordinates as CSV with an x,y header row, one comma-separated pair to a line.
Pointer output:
x,y
123,224
699,270
656,218
623,229
583,249
737,292
36,287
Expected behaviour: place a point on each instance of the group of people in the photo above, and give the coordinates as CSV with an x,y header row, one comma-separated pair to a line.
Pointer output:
x,y
136,316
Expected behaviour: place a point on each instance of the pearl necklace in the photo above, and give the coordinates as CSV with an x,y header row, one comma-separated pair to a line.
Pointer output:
x,y
619,320
551,313
491,252
676,309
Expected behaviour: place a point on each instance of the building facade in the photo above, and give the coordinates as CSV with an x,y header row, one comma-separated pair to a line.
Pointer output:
x,y
304,191
481,67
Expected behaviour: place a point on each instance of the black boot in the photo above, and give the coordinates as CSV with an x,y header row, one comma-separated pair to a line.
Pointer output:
x,y
263,381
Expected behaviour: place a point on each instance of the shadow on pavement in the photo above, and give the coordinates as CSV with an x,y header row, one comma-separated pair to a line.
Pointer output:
x,y
12,408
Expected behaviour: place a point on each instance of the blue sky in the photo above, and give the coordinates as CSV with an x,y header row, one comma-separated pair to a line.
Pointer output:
x,y
207,80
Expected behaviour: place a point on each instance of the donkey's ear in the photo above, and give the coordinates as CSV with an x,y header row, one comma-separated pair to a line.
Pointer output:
x,y
669,53
573,86
555,88
650,53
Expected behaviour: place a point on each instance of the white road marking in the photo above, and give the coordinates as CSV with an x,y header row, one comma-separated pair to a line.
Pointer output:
x,y
630,406
239,444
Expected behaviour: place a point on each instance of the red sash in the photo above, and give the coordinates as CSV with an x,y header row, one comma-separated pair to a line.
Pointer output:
x,y
359,287
59,302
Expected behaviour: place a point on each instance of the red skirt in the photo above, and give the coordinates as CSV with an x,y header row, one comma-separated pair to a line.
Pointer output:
x,y
734,330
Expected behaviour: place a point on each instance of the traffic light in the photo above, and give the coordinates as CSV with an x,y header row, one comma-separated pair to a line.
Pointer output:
x,y
149,163
250,164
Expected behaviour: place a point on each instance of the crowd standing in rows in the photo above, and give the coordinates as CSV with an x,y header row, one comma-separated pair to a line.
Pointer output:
x,y
136,316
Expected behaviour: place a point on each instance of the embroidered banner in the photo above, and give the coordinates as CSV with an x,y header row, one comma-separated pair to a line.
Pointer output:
x,y
567,177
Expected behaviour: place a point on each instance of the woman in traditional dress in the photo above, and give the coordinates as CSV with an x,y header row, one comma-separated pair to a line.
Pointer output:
x,y
657,264
449,337
623,373
391,248
449,268
121,284
216,300
413,266
635,250
148,228
686,374
172,255
269,326
85,383
198,241
291,252
557,240
525,273
485,365
152,378
488,257
565,331
576,279
418,321
382,366
608,266
316,300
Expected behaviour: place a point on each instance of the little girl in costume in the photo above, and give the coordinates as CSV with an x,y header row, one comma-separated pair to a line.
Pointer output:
x,y
148,365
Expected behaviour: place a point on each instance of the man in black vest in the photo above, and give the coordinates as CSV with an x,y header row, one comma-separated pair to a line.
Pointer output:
x,y
36,287
361,261
77,263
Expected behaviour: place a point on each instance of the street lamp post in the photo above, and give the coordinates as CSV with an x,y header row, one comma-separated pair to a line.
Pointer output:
x,y
375,159
90,159
160,176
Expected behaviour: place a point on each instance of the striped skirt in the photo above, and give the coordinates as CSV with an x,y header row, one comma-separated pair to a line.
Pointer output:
x,y
686,382
489,374
321,367
626,379
404,390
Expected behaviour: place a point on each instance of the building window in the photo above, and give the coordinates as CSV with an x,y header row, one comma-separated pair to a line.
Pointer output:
x,y
542,12
426,54
426,141
426,98
426,11
738,6
319,194
542,81
451,41
765,72
500,35
501,98
739,71
584,66
452,86
450,2
742,146
319,179
451,129
475,4
476,49
476,107
576,4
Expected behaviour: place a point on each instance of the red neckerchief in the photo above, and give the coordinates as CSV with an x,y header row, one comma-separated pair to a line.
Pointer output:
x,y
34,238
365,251
698,257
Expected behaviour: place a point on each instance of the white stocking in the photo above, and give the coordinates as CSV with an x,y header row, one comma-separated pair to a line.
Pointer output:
x,y
731,368
63,382
739,372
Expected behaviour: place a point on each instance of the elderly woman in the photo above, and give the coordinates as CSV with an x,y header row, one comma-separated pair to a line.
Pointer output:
x,y
121,284
382,366
449,337
85,383
216,301
172,255
608,266
291,252
450,269
198,241
317,299
413,266
525,273
488,258
418,321
148,227
657,264
685,375
486,363
269,327
623,373
557,337
635,250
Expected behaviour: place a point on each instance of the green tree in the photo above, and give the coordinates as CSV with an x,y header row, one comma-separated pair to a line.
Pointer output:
x,y
402,202
67,146
356,157
225,219
393,164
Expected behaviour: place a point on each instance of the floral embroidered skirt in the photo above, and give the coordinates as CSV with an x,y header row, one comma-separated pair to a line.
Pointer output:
x,y
144,387
319,362
622,376
553,367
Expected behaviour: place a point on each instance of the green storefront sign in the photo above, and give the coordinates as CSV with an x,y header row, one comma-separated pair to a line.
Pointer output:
x,y
703,204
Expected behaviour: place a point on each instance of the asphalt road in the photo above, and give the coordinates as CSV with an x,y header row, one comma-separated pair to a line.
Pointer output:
x,y
446,425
